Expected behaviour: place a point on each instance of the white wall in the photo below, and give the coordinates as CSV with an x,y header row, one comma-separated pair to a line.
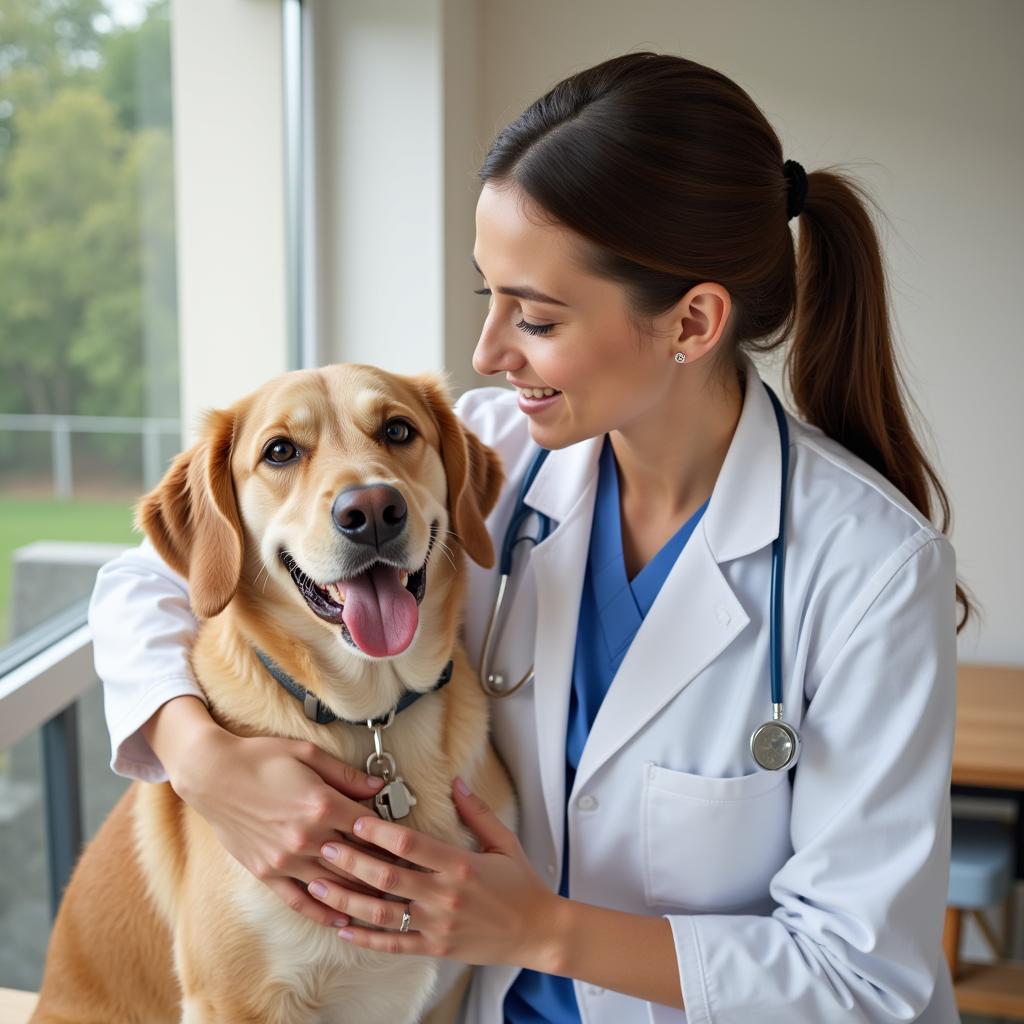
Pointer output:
x,y
229,196
378,73
396,97
922,99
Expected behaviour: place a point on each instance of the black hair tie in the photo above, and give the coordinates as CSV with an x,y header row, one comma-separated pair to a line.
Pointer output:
x,y
797,192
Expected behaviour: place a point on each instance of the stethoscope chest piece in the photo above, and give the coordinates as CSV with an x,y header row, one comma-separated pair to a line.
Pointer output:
x,y
775,745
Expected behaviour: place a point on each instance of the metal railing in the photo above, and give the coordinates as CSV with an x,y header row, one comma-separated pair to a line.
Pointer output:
x,y
61,428
42,675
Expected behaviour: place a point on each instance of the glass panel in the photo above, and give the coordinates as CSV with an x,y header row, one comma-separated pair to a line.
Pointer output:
x,y
88,361
88,315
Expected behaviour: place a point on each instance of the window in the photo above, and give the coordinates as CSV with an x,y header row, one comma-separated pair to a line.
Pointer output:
x,y
89,391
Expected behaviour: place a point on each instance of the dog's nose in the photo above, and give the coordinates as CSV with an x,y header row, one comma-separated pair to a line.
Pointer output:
x,y
370,514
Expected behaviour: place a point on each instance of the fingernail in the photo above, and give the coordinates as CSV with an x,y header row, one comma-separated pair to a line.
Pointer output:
x,y
345,933
339,922
359,825
461,787
318,889
330,852
374,781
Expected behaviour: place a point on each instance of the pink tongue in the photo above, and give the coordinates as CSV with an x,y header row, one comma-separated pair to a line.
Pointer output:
x,y
380,613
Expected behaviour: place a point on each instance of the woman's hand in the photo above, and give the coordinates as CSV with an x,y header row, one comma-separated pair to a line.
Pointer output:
x,y
489,907
273,803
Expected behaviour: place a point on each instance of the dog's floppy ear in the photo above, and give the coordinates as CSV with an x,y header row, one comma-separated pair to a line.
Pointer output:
x,y
191,517
473,470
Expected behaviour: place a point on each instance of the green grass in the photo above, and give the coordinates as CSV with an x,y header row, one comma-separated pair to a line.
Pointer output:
x,y
24,520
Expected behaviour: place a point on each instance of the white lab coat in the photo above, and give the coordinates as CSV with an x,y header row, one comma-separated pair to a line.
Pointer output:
x,y
807,900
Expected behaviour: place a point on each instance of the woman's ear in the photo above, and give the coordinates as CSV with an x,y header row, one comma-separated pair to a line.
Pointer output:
x,y
191,517
473,471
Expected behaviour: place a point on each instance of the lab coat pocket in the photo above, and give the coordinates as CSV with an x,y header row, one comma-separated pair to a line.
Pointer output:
x,y
712,844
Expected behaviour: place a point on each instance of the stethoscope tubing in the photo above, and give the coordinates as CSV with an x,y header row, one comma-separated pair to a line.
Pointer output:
x,y
493,684
778,557
520,513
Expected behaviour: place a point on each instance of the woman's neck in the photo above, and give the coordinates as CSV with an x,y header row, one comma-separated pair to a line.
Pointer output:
x,y
669,460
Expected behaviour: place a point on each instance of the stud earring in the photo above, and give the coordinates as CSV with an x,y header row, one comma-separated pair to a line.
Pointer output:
x,y
680,357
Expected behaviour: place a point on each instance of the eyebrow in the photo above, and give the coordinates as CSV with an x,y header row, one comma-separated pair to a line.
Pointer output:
x,y
522,293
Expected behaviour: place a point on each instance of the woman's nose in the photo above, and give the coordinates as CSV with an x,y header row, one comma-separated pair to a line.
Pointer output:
x,y
493,354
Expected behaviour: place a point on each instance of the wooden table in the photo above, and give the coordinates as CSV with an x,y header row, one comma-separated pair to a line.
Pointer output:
x,y
988,760
988,749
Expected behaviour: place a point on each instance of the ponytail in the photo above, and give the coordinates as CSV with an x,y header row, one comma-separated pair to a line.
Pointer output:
x,y
841,365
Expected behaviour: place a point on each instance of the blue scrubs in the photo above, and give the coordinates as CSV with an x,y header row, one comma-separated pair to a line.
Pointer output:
x,y
611,610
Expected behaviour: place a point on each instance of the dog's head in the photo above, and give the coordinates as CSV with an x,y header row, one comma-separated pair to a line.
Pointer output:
x,y
341,495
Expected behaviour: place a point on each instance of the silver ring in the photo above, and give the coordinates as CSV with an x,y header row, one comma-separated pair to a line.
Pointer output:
x,y
404,926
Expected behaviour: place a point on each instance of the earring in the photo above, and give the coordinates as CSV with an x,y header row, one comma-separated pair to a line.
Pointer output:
x,y
680,357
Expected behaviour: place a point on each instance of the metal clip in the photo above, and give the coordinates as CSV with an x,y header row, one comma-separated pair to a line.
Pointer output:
x,y
311,706
382,765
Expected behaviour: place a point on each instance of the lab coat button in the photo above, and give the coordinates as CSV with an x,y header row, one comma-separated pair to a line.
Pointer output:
x,y
723,615
551,870
595,990
586,802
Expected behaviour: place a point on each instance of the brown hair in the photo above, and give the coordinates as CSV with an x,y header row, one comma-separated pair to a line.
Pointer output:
x,y
675,176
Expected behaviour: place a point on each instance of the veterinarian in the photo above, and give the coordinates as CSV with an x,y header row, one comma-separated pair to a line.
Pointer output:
x,y
634,236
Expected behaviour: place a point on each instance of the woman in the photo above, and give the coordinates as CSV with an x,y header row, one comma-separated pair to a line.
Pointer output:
x,y
632,234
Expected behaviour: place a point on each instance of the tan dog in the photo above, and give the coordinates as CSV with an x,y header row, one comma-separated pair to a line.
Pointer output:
x,y
322,519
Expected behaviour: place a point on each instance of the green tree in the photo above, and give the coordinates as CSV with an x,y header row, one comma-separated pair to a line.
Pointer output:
x,y
136,75
64,226
45,45
88,320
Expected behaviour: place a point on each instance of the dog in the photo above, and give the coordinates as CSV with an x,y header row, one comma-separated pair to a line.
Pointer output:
x,y
322,522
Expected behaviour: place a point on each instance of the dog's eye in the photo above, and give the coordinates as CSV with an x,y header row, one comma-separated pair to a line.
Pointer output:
x,y
279,451
399,431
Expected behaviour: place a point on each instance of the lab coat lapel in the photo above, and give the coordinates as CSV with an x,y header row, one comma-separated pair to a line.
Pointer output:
x,y
696,614
694,618
565,489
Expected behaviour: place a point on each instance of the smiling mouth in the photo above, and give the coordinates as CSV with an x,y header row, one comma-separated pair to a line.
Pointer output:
x,y
377,609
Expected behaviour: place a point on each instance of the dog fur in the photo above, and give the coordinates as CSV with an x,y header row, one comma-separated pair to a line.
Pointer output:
x,y
159,922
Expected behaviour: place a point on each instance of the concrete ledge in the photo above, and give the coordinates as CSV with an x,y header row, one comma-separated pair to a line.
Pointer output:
x,y
16,1007
50,575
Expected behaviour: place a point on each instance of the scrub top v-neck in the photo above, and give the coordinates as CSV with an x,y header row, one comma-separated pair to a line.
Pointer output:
x,y
612,608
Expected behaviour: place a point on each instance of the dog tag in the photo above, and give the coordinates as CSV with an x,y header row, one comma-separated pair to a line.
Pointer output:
x,y
394,800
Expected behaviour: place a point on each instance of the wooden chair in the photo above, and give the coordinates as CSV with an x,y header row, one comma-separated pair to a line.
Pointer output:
x,y
981,875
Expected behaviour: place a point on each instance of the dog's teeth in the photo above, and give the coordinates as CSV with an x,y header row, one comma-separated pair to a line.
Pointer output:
x,y
403,578
338,593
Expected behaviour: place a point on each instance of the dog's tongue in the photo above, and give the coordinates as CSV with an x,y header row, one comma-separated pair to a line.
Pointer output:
x,y
380,613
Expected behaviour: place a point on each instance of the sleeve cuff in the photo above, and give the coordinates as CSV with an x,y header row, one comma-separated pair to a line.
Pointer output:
x,y
131,755
691,977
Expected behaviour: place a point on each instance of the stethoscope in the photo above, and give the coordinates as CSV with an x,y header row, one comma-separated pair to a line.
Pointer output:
x,y
775,745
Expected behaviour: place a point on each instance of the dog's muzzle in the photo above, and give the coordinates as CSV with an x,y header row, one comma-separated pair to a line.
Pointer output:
x,y
377,608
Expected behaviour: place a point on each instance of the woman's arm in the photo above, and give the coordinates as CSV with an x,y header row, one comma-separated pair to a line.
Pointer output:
x,y
142,631
272,802
857,932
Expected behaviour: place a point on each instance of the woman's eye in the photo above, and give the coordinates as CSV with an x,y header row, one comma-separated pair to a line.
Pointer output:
x,y
399,431
280,451
523,325
534,328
